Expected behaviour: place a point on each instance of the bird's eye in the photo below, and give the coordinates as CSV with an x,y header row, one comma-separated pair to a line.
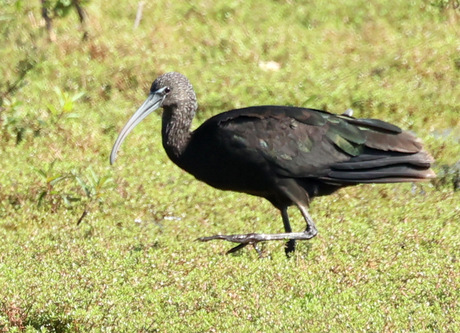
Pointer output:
x,y
167,90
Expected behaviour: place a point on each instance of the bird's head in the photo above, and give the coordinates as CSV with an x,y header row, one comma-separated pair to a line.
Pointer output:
x,y
171,91
175,89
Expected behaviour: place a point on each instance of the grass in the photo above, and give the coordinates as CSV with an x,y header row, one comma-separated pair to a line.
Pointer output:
x,y
386,258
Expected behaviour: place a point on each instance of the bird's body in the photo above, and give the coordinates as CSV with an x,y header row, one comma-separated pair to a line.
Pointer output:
x,y
287,155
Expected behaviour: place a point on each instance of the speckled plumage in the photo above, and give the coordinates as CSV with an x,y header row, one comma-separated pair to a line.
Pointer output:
x,y
178,112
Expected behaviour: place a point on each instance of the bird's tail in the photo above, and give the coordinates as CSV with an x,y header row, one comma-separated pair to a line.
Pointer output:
x,y
390,155
383,167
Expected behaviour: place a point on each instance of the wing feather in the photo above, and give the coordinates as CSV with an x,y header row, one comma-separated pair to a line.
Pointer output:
x,y
307,143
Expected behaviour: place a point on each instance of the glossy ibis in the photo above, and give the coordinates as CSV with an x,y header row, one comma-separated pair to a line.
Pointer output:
x,y
288,155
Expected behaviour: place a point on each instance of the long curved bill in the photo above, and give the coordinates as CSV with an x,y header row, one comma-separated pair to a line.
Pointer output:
x,y
152,103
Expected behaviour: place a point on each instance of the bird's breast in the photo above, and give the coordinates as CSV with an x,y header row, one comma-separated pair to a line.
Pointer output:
x,y
226,169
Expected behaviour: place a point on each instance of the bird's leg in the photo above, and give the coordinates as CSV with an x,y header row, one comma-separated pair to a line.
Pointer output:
x,y
233,249
310,230
290,245
291,237
259,252
240,246
252,239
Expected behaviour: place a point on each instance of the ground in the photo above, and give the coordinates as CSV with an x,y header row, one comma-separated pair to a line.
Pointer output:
x,y
89,247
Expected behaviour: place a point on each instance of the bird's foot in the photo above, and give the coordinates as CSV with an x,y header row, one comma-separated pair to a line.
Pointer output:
x,y
253,239
244,240
311,231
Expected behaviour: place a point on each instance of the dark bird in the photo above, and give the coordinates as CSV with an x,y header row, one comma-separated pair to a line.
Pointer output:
x,y
287,155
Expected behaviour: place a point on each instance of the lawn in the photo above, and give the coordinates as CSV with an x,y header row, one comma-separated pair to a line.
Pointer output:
x,y
89,247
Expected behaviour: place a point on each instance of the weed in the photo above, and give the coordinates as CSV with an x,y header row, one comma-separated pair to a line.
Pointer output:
x,y
65,108
94,188
86,190
15,124
49,193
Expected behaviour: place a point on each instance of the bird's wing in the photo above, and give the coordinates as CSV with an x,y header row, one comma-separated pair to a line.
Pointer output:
x,y
294,141
298,142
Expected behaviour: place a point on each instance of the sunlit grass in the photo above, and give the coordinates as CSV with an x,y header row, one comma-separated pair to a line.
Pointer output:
x,y
386,257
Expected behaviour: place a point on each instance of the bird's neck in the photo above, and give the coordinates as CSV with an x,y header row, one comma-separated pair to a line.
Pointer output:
x,y
176,132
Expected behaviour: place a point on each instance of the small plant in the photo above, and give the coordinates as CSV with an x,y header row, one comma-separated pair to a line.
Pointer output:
x,y
93,186
49,192
87,189
17,124
446,4
14,123
448,175
65,107
23,67
61,8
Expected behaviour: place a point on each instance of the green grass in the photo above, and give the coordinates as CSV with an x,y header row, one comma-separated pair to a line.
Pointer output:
x,y
386,257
